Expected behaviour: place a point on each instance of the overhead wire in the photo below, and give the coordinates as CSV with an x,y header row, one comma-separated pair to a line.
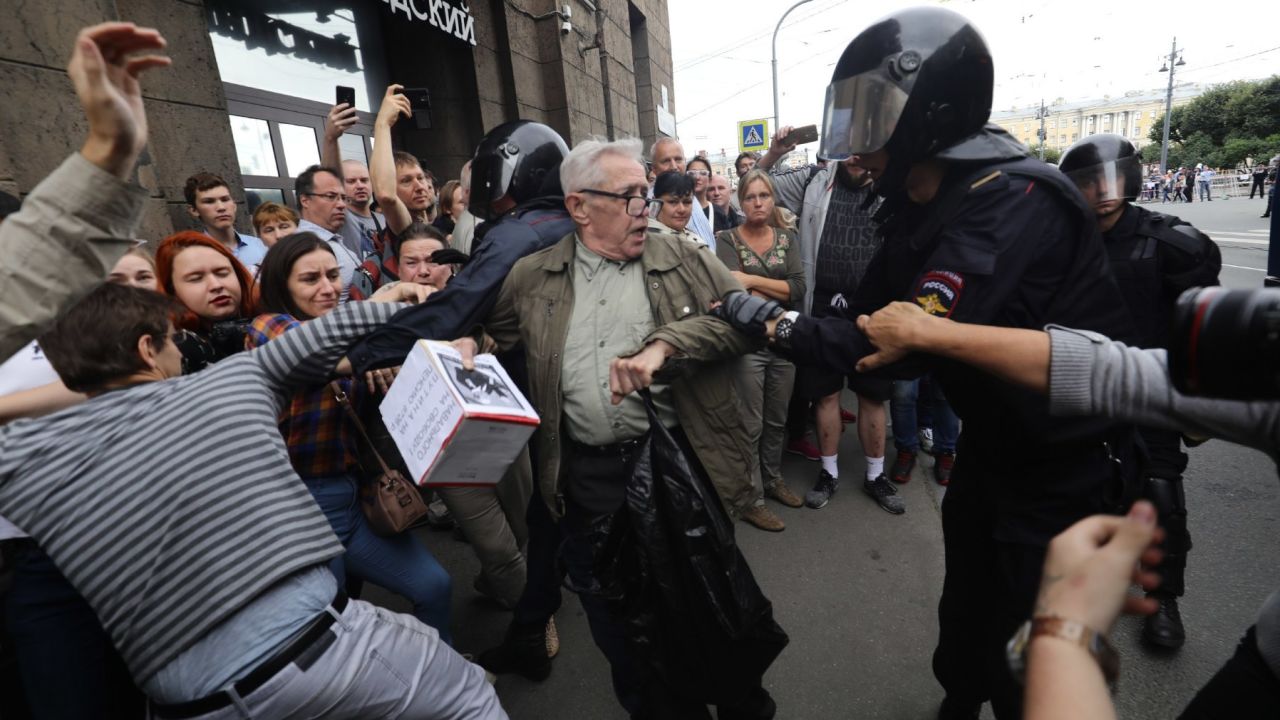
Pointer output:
x,y
737,44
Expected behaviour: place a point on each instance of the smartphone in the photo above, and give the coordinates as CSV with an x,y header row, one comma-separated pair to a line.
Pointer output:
x,y
346,95
802,135
419,98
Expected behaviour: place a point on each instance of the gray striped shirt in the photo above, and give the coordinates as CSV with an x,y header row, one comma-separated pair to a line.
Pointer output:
x,y
170,505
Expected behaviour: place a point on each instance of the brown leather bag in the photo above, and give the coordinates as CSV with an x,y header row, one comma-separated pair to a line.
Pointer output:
x,y
391,503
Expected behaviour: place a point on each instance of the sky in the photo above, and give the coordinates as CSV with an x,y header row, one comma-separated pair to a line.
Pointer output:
x,y
1070,49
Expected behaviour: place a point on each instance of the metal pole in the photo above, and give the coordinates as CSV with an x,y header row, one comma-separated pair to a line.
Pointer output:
x,y
1168,107
776,122
1042,134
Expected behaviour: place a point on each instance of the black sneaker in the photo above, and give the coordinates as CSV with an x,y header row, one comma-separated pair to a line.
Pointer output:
x,y
523,651
823,489
1163,629
885,495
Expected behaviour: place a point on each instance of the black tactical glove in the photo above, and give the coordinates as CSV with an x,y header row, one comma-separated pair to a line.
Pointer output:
x,y
747,313
450,256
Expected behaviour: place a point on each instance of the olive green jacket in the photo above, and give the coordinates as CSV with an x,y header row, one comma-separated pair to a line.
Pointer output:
x,y
683,279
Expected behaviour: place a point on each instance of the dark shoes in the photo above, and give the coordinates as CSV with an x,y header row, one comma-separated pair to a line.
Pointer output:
x,y
952,710
884,494
942,465
823,489
1163,630
804,448
523,651
902,466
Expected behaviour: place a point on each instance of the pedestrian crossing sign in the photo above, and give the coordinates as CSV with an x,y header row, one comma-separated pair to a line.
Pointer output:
x,y
753,136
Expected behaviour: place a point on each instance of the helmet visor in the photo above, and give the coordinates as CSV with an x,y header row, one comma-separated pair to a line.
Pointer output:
x,y
490,180
1110,180
861,114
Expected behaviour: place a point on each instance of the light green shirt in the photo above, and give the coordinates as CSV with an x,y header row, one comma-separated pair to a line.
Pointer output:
x,y
611,317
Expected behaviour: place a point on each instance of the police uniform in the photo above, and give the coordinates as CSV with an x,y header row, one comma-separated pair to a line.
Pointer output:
x,y
1008,242
1155,257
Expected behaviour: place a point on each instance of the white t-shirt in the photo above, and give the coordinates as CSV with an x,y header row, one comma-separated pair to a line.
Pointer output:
x,y
28,368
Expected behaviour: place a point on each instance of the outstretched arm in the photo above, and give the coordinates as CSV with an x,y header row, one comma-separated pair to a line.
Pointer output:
x,y
382,165
78,221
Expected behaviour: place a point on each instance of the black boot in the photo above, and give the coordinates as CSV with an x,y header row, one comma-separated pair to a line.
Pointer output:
x,y
957,710
1163,630
523,651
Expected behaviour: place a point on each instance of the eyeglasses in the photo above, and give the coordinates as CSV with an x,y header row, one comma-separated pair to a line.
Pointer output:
x,y
698,173
331,196
637,205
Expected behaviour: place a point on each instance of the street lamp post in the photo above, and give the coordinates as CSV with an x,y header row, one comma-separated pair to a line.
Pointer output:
x,y
1041,114
776,122
1170,66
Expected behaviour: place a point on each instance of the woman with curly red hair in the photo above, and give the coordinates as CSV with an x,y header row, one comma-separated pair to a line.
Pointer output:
x,y
217,291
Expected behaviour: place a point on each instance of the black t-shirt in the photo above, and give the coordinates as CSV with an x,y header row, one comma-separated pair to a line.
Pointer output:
x,y
849,241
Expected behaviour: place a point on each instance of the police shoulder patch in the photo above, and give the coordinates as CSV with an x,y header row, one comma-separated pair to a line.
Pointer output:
x,y
938,291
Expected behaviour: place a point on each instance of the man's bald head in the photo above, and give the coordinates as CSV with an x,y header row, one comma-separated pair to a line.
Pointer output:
x,y
667,155
355,180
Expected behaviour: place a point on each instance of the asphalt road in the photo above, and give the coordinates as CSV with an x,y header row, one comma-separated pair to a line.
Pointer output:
x,y
857,588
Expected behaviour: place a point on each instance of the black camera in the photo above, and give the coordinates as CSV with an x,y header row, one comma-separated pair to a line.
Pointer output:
x,y
1226,343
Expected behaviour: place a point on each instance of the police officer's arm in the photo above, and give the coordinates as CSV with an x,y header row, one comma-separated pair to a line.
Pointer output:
x,y
382,164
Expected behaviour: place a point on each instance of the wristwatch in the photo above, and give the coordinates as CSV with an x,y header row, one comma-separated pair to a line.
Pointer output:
x,y
1094,642
782,331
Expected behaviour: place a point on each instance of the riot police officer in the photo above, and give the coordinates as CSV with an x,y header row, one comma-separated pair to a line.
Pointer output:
x,y
1154,257
978,231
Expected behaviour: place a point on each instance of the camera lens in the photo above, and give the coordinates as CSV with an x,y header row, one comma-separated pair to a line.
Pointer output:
x,y
1226,343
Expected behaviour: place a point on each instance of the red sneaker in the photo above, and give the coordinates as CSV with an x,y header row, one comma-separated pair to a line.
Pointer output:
x,y
847,417
942,465
804,448
902,467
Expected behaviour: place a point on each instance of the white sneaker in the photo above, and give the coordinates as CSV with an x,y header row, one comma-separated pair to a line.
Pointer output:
x,y
926,439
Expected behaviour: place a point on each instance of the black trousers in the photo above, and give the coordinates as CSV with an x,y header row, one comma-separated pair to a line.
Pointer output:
x,y
993,574
639,688
1259,187
1163,487
1243,689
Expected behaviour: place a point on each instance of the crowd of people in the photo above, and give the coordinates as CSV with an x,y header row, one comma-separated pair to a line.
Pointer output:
x,y
1184,185
633,297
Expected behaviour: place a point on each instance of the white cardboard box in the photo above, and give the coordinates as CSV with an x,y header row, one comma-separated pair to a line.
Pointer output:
x,y
456,427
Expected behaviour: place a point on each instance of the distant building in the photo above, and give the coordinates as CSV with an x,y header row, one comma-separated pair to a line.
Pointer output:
x,y
1131,116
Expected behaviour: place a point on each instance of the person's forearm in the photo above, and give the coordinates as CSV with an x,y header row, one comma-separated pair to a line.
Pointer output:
x,y
37,401
775,289
382,176
330,155
68,235
1014,355
310,354
1064,682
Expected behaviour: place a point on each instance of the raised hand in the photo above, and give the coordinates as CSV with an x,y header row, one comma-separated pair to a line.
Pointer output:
x,y
105,70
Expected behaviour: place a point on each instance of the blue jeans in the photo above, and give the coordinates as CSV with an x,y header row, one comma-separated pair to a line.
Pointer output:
x,y
946,426
57,638
400,564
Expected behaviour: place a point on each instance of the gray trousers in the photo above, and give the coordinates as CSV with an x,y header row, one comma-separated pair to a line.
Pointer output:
x,y
380,665
493,519
765,390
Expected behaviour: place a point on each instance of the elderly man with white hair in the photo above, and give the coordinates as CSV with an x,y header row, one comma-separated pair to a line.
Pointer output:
x,y
599,313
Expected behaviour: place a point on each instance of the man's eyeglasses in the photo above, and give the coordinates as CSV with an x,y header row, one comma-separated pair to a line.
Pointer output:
x,y
637,205
331,196
698,173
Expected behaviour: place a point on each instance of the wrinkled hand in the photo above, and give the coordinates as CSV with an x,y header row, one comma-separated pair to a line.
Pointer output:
x,y
380,380
341,117
629,374
105,72
468,349
394,105
402,292
1091,564
895,330
747,313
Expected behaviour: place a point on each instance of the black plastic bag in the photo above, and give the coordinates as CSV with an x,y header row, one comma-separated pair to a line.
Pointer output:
x,y
670,567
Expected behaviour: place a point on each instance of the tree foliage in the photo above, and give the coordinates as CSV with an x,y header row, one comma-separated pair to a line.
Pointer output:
x,y
1222,127
1051,155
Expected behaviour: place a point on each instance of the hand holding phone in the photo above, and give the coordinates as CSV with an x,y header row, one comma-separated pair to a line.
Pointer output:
x,y
802,135
346,95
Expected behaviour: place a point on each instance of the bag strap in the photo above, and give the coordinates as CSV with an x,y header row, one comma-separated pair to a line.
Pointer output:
x,y
341,396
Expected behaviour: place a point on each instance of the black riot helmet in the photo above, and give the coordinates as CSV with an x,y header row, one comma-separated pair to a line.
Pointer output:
x,y
512,164
1104,167
914,83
